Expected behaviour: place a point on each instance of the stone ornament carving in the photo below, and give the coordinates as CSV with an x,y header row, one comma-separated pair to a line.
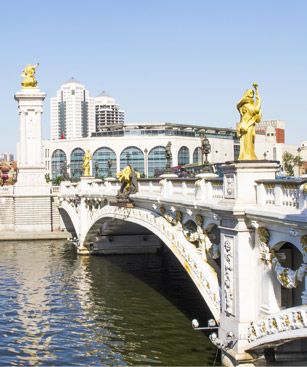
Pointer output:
x,y
304,242
264,250
201,238
228,275
287,277
229,186
284,321
177,219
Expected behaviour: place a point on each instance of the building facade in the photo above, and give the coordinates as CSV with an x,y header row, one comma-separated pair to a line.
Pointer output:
x,y
107,112
8,157
72,112
142,145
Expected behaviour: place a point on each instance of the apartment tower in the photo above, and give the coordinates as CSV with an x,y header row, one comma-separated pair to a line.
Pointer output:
x,y
72,112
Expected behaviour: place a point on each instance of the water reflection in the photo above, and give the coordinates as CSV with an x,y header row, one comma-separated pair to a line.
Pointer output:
x,y
59,309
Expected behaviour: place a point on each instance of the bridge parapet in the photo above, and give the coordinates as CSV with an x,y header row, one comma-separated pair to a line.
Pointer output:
x,y
279,328
289,194
273,194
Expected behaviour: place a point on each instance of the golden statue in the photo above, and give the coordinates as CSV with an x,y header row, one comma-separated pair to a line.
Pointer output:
x,y
87,163
129,185
28,74
250,115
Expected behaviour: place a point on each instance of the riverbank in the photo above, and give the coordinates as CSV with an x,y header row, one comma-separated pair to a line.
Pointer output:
x,y
26,236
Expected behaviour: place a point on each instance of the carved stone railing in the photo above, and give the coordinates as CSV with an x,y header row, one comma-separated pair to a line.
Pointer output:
x,y
278,326
274,194
288,193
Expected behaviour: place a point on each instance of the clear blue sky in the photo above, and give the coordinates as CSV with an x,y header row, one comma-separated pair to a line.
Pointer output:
x,y
163,60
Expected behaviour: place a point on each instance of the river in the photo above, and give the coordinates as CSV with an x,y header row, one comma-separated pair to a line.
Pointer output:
x,y
60,309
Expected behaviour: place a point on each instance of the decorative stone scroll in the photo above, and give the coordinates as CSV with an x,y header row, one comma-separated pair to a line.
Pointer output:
x,y
228,275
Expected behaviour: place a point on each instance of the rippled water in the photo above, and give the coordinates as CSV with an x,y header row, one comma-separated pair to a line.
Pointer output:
x,y
58,309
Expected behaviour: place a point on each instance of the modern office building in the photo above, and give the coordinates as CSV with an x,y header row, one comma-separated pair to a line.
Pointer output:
x,y
72,112
107,112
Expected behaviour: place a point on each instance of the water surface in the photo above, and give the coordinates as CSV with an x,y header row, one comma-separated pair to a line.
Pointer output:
x,y
59,309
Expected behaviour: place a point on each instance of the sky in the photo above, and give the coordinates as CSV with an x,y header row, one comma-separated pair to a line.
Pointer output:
x,y
162,60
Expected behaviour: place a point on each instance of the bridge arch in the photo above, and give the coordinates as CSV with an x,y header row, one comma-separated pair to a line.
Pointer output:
x,y
201,273
290,257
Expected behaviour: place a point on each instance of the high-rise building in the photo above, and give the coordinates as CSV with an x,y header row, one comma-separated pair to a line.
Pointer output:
x,y
6,157
72,112
107,112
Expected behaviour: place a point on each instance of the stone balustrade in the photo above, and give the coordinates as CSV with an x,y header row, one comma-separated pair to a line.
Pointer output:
x,y
278,326
288,194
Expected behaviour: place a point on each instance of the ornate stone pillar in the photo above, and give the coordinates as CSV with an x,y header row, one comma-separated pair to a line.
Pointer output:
x,y
31,169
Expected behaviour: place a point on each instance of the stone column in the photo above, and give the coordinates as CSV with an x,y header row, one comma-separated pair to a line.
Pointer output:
x,y
31,169
239,255
32,203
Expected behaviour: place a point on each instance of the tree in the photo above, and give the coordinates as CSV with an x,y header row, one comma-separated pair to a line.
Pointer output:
x,y
290,161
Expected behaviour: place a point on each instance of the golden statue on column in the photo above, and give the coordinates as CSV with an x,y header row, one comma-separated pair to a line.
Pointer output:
x,y
87,163
28,74
250,111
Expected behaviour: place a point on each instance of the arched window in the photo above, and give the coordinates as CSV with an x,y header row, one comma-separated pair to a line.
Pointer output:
x,y
183,156
197,155
104,161
58,160
156,161
133,156
76,162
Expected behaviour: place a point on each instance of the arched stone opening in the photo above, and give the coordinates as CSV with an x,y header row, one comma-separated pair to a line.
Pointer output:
x,y
114,222
68,223
288,257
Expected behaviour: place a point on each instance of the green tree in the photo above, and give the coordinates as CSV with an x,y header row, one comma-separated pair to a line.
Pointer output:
x,y
290,161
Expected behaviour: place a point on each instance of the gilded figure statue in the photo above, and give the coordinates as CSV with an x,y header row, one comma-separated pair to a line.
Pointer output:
x,y
87,163
249,108
129,183
28,74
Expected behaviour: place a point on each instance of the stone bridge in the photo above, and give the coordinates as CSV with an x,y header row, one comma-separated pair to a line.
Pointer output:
x,y
241,237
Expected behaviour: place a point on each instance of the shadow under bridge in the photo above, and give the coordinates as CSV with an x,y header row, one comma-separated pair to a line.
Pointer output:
x,y
116,236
